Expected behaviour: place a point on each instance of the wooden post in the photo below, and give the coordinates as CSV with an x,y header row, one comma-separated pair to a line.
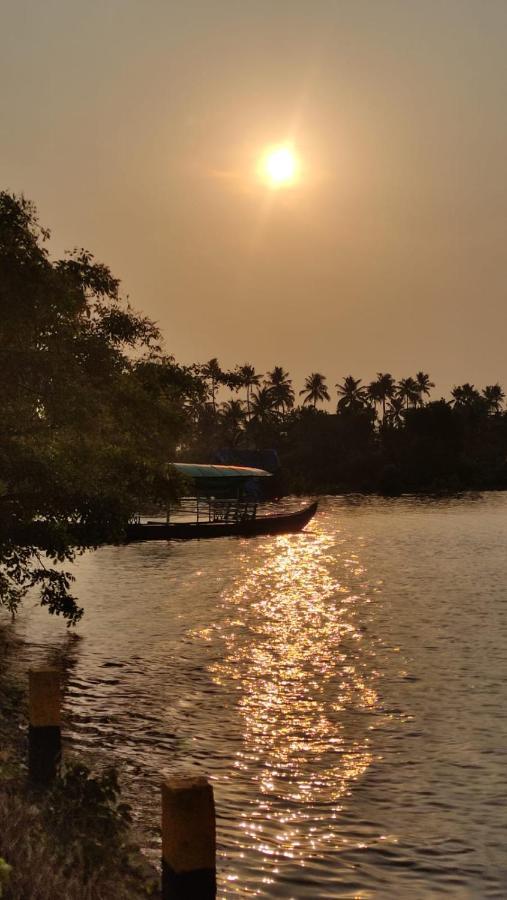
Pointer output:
x,y
44,732
188,839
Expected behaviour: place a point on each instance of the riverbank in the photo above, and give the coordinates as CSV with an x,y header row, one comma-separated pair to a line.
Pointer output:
x,y
75,840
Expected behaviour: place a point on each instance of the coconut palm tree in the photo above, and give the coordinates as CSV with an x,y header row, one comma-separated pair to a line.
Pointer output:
x,y
494,397
381,390
352,394
315,389
373,394
212,373
465,396
407,390
250,378
280,385
262,406
394,412
424,385
386,388
232,418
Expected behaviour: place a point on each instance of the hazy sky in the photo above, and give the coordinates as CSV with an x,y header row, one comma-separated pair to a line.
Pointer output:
x,y
136,126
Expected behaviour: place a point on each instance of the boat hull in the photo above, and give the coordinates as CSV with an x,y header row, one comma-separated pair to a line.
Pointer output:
x,y
289,523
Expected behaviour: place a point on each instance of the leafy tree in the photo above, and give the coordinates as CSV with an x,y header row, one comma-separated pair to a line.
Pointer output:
x,y
86,427
315,389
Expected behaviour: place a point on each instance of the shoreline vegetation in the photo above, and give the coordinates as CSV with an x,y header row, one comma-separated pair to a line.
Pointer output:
x,y
74,839
386,437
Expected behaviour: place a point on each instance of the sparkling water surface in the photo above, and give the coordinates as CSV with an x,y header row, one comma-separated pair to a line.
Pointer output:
x,y
345,689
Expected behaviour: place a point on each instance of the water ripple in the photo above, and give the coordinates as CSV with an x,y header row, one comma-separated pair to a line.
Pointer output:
x,y
344,689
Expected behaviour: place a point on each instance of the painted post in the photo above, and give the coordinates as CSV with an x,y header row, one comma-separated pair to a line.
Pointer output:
x,y
188,839
44,732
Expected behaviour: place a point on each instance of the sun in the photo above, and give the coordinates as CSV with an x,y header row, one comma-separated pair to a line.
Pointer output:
x,y
280,166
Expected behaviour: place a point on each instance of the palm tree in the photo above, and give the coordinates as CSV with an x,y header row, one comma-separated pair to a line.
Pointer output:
x,y
394,413
263,406
212,372
232,417
424,385
494,397
280,385
315,389
408,391
465,396
353,395
250,378
386,387
373,394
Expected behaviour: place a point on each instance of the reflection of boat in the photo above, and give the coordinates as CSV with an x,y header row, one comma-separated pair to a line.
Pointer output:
x,y
224,505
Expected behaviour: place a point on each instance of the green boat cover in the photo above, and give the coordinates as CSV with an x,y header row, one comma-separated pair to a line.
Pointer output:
x,y
193,470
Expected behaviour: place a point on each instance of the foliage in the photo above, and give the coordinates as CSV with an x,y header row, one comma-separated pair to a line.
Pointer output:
x,y
91,411
85,813
353,396
5,871
73,841
67,861
384,437
280,385
315,389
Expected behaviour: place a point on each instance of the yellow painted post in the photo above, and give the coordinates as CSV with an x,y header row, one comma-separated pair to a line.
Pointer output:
x,y
44,732
188,839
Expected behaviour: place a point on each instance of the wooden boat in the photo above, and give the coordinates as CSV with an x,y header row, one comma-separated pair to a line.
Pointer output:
x,y
224,526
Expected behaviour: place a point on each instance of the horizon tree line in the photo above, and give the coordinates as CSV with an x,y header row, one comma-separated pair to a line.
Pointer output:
x,y
272,395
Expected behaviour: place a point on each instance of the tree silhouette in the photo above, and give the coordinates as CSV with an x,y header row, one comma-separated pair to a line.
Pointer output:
x,y
315,389
262,406
91,411
373,395
213,373
382,390
280,385
232,418
250,378
494,397
394,412
424,385
465,396
352,395
408,391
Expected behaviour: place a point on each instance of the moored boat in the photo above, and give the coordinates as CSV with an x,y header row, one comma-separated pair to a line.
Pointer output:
x,y
281,523
224,504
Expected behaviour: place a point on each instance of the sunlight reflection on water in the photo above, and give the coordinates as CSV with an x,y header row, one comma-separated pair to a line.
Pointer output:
x,y
293,646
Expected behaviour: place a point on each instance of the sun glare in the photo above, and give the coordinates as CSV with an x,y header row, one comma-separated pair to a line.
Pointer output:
x,y
280,166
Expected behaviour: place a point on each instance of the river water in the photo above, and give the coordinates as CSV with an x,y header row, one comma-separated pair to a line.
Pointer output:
x,y
345,689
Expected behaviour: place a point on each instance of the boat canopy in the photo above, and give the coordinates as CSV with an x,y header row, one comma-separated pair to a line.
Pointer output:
x,y
194,470
229,481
